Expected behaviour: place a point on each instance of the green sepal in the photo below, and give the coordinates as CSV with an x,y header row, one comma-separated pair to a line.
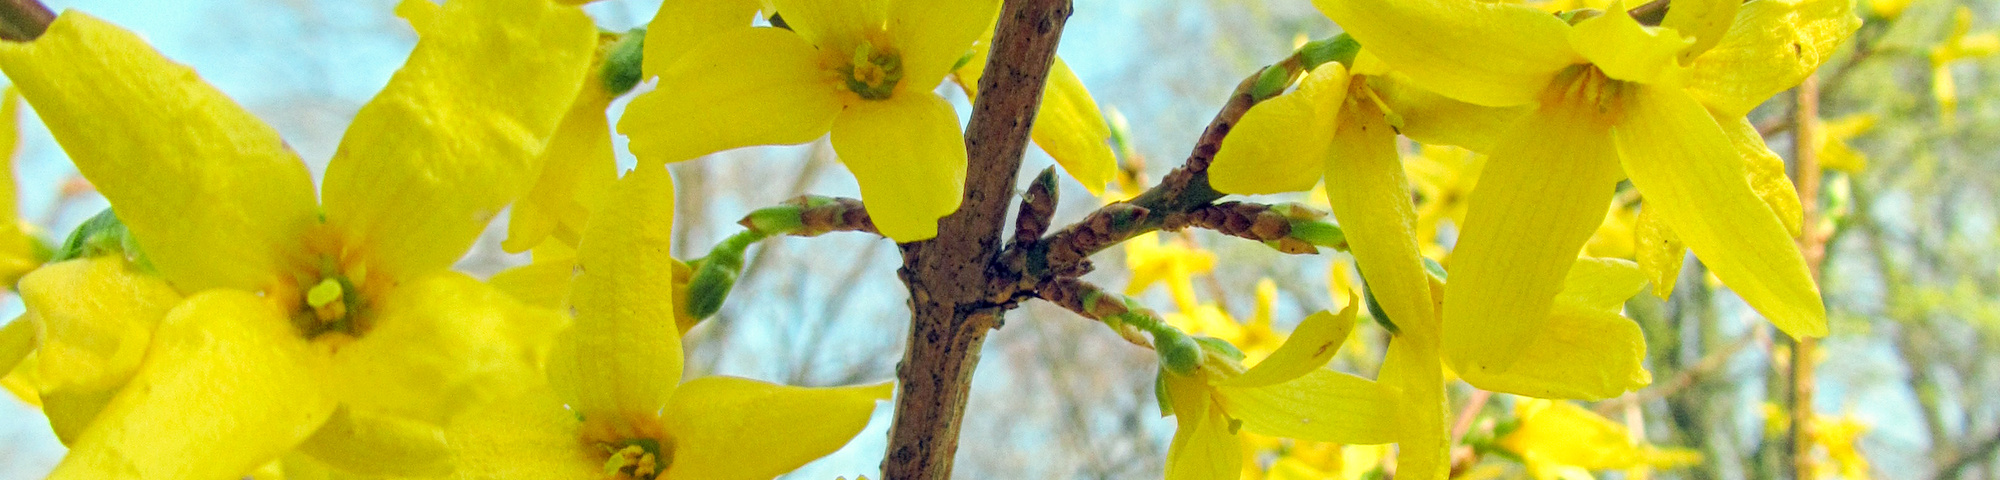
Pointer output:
x,y
103,234
621,69
1179,353
1341,48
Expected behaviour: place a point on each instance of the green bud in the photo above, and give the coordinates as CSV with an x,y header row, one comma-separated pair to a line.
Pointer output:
x,y
714,276
776,220
1341,48
1220,346
1161,394
1179,353
102,234
1271,82
1319,232
622,63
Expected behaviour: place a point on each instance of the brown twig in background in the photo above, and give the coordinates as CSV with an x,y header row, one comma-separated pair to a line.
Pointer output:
x,y
1805,161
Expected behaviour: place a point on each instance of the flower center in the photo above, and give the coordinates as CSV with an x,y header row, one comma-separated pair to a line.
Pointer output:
x,y
1586,86
330,306
873,72
634,459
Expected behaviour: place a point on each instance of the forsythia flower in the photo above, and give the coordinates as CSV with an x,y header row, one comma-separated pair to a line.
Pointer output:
x,y
1555,438
619,371
1173,262
1341,124
1287,395
1833,136
862,70
333,325
1611,98
17,247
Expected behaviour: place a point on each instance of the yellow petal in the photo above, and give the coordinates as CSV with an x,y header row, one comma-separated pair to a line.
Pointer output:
x,y
95,319
1773,45
1368,193
576,165
229,386
1493,54
1280,144
713,100
544,284
373,444
438,344
1562,433
1203,447
1433,119
909,157
526,435
1070,128
1690,175
835,25
17,251
1625,50
628,349
1585,350
22,383
736,428
1311,345
1767,172
214,197
17,340
443,148
680,25
1543,191
1659,252
933,35
1321,406
1413,367
1704,21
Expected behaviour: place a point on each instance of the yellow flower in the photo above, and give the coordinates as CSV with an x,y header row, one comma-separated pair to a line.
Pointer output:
x,y
1341,124
1067,125
279,320
863,70
1287,395
1611,99
1958,47
1555,438
1833,136
618,370
1255,339
1442,178
17,247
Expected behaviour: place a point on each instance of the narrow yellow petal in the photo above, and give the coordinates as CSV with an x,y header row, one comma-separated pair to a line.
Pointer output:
x,y
525,435
835,25
1280,144
372,444
1423,451
1070,128
933,35
17,340
736,428
909,157
1562,433
95,319
544,284
1493,54
713,100
1585,350
1311,345
576,165
680,25
1433,119
1203,447
1705,21
17,251
214,197
1321,406
1773,45
1767,172
1682,161
1625,50
229,387
1369,195
439,344
1659,252
1543,191
628,351
443,148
